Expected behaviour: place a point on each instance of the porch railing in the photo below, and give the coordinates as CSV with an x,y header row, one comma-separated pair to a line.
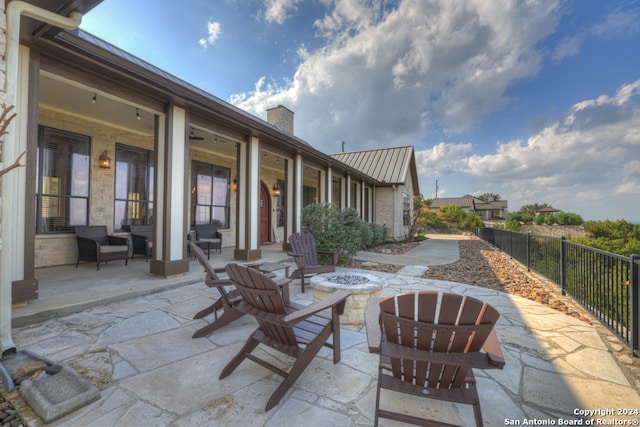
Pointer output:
x,y
605,284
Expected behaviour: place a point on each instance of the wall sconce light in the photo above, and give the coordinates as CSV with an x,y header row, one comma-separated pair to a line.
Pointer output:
x,y
104,161
137,114
276,190
234,184
94,99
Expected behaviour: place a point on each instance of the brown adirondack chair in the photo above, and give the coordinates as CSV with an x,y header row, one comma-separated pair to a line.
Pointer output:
x,y
431,353
292,329
229,298
303,247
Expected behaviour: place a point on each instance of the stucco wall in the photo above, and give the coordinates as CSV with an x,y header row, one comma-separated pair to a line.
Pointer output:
x,y
3,94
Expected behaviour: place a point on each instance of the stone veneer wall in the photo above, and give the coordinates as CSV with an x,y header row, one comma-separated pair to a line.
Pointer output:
x,y
61,249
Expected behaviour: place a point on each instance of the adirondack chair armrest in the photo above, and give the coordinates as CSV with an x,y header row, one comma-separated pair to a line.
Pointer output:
x,y
115,240
335,298
493,350
475,359
218,283
295,255
372,324
332,254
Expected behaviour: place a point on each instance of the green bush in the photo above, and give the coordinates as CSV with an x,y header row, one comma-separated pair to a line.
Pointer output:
x,y
380,233
334,230
366,235
513,222
432,220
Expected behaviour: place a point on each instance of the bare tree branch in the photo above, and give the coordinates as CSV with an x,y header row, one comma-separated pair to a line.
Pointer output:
x,y
14,165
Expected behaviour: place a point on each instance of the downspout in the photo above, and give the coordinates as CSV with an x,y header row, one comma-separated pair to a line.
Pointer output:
x,y
10,188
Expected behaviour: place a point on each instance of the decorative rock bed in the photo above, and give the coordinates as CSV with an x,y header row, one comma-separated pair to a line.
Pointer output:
x,y
361,285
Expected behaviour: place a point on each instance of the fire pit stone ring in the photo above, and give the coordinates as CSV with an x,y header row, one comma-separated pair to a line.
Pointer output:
x,y
361,285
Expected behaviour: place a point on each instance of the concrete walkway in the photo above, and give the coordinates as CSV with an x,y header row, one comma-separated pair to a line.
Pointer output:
x,y
140,353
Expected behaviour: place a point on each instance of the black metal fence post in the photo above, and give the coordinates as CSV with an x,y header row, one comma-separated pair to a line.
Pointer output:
x,y
635,304
528,252
563,265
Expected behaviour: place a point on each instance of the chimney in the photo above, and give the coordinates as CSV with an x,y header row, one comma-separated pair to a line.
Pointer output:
x,y
281,117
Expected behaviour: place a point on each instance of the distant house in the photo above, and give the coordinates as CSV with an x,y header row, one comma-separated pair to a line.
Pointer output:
x,y
395,169
486,210
547,211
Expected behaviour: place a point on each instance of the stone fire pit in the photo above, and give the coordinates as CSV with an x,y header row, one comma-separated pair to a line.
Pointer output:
x,y
361,286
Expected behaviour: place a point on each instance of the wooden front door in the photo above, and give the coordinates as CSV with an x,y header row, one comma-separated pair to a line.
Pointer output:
x,y
265,214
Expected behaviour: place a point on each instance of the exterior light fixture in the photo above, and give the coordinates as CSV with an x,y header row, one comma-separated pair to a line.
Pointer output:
x,y
137,114
94,99
104,161
276,190
234,184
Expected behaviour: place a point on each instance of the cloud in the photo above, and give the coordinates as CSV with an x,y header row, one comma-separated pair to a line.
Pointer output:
x,y
214,29
619,23
588,149
277,11
390,73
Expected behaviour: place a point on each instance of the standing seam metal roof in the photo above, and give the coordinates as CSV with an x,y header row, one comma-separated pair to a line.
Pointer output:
x,y
387,165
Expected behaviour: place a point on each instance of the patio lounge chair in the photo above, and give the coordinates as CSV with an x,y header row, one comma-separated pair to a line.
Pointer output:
x,y
227,302
208,236
292,329
94,244
229,297
303,247
428,348
142,237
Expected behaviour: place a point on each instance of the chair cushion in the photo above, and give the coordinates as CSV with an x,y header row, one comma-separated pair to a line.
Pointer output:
x,y
208,240
109,249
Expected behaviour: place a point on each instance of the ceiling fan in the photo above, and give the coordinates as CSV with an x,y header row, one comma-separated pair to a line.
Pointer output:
x,y
193,137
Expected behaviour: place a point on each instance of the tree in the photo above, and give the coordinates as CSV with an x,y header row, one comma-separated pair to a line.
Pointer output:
x,y
3,131
489,197
531,209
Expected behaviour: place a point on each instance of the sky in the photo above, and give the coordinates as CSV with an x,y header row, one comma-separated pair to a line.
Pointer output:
x,y
536,101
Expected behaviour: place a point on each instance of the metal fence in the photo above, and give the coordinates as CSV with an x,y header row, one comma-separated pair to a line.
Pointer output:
x,y
604,283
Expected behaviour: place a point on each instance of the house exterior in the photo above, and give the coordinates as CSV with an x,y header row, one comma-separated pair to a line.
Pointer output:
x,y
395,168
486,210
112,140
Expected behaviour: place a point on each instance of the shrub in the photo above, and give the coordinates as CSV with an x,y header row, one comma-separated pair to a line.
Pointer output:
x,y
334,230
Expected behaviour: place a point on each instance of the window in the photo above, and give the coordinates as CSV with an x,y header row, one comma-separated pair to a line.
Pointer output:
x,y
134,186
62,188
280,204
406,210
210,194
336,191
308,195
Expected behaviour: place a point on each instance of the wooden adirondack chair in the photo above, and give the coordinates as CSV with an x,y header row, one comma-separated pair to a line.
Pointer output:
x,y
430,351
292,329
303,246
229,298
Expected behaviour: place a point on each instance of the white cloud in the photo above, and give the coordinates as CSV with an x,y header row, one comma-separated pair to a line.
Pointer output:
x,y
277,11
388,74
214,29
593,152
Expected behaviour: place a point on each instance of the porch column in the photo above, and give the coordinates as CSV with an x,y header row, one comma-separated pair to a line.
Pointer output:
x,y
248,201
363,190
170,204
329,185
348,192
297,193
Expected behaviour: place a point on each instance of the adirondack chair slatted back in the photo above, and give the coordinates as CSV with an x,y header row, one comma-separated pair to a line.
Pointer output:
x,y
452,323
305,244
210,274
262,294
